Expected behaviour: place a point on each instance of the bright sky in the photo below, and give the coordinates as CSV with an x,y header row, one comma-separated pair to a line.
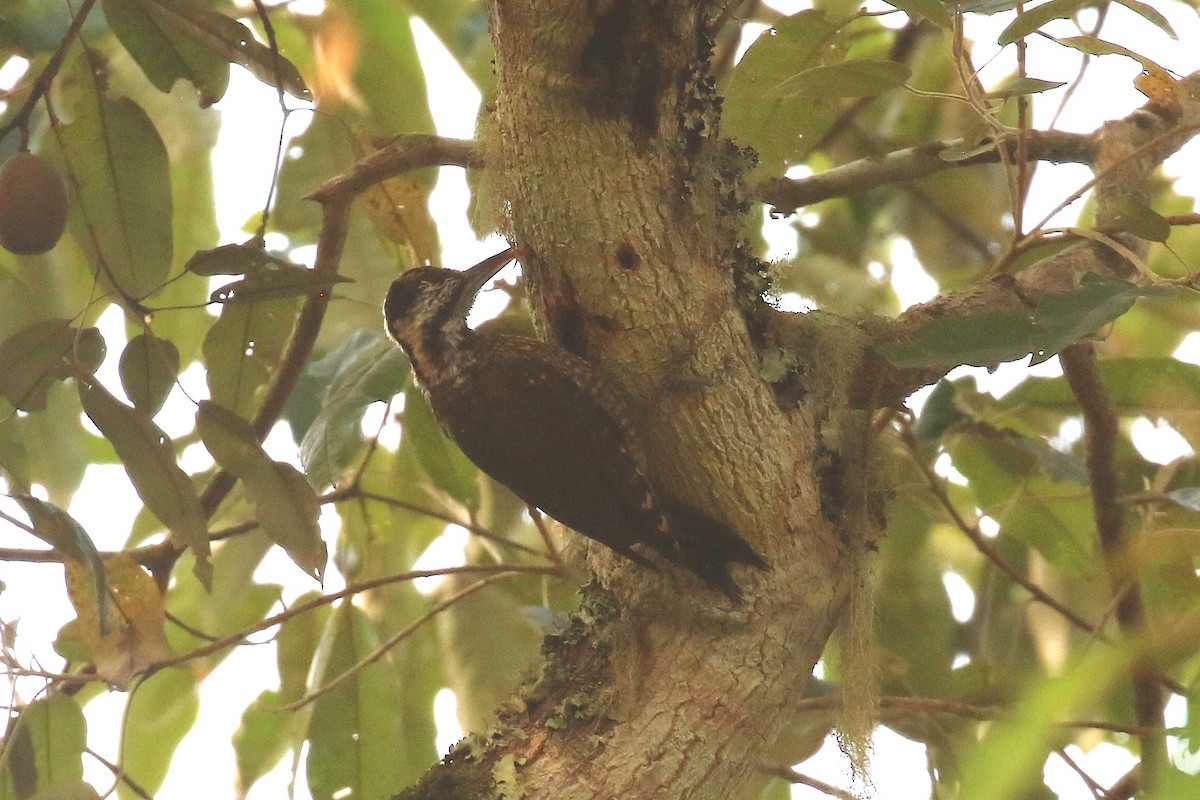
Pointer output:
x,y
243,165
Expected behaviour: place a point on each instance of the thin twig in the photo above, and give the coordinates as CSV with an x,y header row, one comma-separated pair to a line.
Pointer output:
x,y
929,705
913,163
41,84
394,640
303,608
449,519
937,486
555,556
1096,789
120,775
790,775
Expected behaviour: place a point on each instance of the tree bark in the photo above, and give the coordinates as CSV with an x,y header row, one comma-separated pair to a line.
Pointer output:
x,y
604,160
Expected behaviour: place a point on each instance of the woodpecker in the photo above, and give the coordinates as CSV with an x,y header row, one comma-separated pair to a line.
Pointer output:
x,y
549,426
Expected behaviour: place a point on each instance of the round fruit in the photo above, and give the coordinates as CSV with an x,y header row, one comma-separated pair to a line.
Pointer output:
x,y
33,205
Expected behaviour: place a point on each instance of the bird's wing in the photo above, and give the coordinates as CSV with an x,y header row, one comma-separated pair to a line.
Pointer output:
x,y
542,424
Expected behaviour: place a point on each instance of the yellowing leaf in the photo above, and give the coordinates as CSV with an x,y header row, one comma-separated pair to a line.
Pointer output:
x,y
125,632
1098,47
399,211
1162,89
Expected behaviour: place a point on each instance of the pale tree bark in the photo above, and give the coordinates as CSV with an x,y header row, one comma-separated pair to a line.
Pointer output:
x,y
604,161
598,163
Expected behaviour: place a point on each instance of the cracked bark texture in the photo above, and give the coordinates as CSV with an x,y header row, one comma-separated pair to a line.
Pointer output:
x,y
604,163
590,166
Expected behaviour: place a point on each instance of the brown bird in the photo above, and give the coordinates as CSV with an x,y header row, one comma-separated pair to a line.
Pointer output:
x,y
549,426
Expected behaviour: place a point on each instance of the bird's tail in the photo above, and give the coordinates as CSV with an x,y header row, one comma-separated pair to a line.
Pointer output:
x,y
706,547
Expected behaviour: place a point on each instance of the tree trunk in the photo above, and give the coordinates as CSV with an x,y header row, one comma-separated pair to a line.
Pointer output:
x,y
603,159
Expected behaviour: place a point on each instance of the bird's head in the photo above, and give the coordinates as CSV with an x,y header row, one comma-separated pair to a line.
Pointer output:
x,y
428,303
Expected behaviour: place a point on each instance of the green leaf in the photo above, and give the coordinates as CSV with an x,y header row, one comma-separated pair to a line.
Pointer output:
x,y
235,259
979,340
1133,216
1098,47
162,709
242,349
225,38
1033,18
72,790
285,505
149,459
1071,316
1008,759
859,78
487,644
35,357
1150,14
165,54
1017,87
233,603
1012,486
1061,318
274,284
367,368
296,646
46,755
119,164
939,415
61,531
782,130
148,369
932,10
266,733
355,735
263,737
1136,386
444,463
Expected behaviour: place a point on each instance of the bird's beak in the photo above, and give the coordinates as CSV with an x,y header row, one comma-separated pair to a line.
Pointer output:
x,y
481,273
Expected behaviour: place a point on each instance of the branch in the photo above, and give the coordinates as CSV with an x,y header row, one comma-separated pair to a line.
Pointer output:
x,y
918,162
929,705
405,152
395,639
1100,425
938,488
41,84
790,775
277,619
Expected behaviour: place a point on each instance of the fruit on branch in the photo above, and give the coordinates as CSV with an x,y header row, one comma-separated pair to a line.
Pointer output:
x,y
33,205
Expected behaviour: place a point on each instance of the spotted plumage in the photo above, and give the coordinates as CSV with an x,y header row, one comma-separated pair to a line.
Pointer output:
x,y
549,426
